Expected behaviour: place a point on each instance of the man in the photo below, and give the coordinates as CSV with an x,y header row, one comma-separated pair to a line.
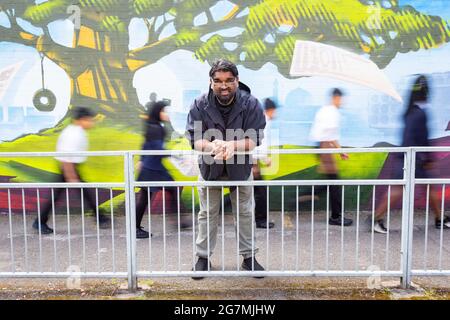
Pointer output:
x,y
153,96
325,131
261,191
226,120
72,139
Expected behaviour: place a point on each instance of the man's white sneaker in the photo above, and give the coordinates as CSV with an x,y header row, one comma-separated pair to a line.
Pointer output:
x,y
438,223
379,227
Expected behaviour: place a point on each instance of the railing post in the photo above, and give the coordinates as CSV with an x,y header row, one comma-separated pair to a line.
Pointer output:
x,y
408,218
130,215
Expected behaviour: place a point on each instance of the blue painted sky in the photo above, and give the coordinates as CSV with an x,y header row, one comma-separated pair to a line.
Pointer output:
x,y
433,7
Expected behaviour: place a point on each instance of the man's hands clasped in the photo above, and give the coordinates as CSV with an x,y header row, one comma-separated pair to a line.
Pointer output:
x,y
222,150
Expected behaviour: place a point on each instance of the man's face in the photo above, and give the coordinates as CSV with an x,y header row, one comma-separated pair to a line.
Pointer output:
x,y
270,113
164,116
224,86
87,123
337,101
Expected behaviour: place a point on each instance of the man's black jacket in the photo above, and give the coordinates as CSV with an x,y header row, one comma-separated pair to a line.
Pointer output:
x,y
245,121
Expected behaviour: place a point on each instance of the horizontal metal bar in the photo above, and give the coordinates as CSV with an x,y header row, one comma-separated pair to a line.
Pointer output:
x,y
268,273
444,273
430,149
144,274
220,274
63,274
266,183
193,152
61,185
432,181
274,151
63,154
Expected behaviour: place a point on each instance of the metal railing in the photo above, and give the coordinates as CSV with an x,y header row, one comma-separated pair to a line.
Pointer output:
x,y
74,249
423,258
302,243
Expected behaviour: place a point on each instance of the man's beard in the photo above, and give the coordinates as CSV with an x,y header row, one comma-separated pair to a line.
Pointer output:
x,y
225,100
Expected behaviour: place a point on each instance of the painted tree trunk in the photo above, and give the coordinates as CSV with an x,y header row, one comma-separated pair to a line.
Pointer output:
x,y
107,90
104,79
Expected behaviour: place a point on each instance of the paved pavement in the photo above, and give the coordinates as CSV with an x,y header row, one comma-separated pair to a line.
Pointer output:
x,y
104,250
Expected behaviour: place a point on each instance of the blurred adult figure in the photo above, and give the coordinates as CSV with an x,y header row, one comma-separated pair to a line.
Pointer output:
x,y
151,167
415,134
72,139
262,158
326,132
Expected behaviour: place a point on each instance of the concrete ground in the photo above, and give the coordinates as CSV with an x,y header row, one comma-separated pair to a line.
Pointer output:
x,y
351,248
224,289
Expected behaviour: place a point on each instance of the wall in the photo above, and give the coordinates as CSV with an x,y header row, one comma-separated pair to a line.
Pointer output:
x,y
111,55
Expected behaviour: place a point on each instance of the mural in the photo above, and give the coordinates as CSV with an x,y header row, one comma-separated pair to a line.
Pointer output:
x,y
116,55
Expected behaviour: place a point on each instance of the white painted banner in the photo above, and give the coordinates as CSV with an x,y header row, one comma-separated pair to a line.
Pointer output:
x,y
186,164
317,59
6,76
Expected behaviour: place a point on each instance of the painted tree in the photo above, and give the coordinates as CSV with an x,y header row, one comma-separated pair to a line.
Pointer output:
x,y
101,66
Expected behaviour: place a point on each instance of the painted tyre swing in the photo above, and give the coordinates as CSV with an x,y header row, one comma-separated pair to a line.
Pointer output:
x,y
44,99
